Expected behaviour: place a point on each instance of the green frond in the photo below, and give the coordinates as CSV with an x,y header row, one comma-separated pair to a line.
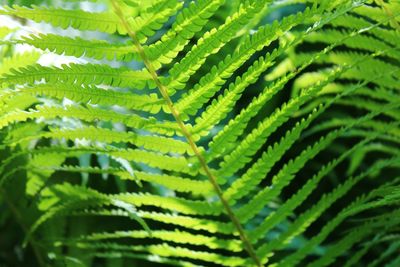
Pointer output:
x,y
378,13
353,22
153,17
156,160
178,184
305,219
175,236
38,178
212,82
55,203
263,37
78,47
18,61
323,204
139,156
220,107
91,95
288,207
166,250
242,186
212,226
96,134
235,126
189,21
181,205
361,42
77,74
210,43
88,114
288,171
175,183
252,142
106,22
4,31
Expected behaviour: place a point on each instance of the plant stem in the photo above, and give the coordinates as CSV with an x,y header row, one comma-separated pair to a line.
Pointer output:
x,y
164,92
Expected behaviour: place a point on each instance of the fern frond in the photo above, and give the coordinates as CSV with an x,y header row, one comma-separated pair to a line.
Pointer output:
x,y
79,197
106,22
78,47
209,44
152,159
109,136
235,126
181,205
287,208
175,236
175,183
311,214
187,23
323,204
153,17
288,171
166,250
92,95
89,114
252,142
78,74
189,222
212,82
258,171
17,61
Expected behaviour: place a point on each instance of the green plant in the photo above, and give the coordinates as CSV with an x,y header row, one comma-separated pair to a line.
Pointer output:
x,y
196,133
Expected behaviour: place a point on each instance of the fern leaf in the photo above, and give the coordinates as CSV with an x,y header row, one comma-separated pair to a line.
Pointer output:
x,y
254,140
175,183
153,17
78,74
187,23
286,174
189,222
260,169
78,47
17,61
95,95
166,250
103,21
211,42
180,205
172,236
212,82
305,219
110,136
152,159
89,114
298,198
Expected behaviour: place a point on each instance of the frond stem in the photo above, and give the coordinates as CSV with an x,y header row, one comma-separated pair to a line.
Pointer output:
x,y
164,92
